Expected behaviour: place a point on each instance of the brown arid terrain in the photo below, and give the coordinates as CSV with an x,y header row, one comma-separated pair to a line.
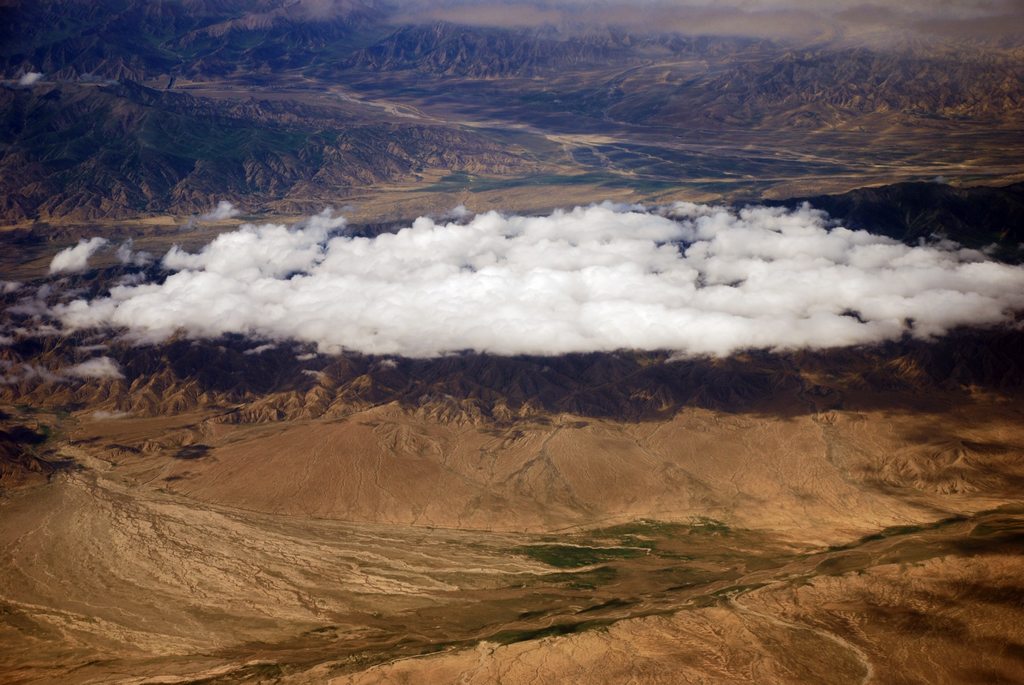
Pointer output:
x,y
963,626
244,439
235,510
225,511
488,520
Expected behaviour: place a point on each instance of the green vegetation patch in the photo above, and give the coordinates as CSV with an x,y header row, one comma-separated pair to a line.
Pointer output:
x,y
507,637
649,528
645,527
461,180
587,580
575,556
704,524
896,531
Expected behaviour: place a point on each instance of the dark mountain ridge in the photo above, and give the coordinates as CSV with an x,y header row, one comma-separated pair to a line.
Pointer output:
x,y
273,385
100,136
126,39
982,217
121,149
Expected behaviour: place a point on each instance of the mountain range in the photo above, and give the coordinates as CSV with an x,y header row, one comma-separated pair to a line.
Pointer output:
x,y
216,214
283,106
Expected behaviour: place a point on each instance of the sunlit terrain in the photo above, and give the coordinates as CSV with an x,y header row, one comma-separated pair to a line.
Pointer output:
x,y
511,342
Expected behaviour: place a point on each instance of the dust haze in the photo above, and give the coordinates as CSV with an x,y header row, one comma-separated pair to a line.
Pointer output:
x,y
801,20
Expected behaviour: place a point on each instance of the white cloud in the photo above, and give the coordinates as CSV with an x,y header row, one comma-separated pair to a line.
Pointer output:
x,y
7,287
127,256
74,259
97,367
223,210
104,415
29,77
27,372
260,349
694,279
458,213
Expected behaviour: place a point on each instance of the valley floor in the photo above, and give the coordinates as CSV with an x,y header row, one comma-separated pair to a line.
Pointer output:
x,y
832,547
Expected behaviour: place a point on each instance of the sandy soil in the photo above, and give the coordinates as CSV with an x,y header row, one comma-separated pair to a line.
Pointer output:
x,y
389,546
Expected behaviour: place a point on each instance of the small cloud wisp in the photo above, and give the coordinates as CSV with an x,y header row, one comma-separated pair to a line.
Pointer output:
x,y
96,368
224,210
76,259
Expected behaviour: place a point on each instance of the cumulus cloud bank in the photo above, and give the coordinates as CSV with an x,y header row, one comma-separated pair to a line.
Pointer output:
x,y
75,259
693,279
